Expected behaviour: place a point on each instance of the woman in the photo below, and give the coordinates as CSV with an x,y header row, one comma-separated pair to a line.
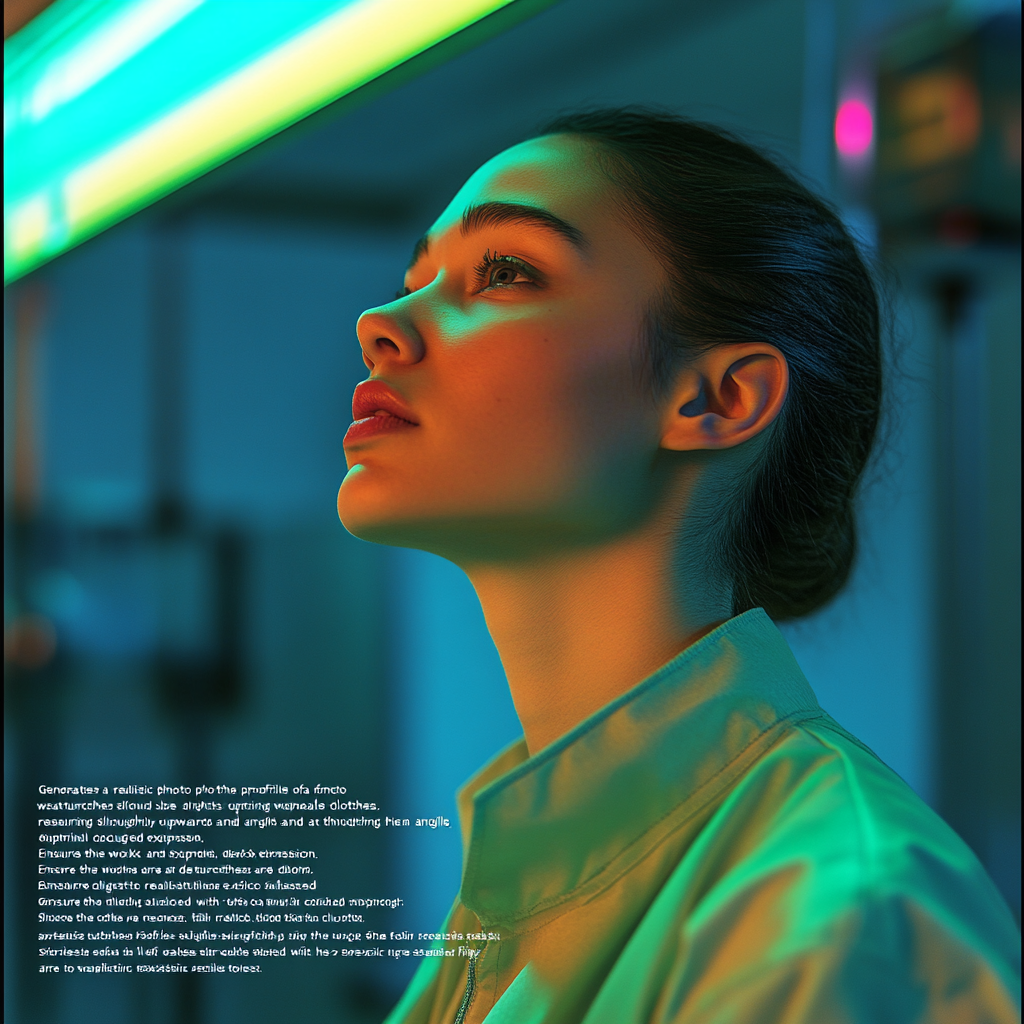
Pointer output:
x,y
630,387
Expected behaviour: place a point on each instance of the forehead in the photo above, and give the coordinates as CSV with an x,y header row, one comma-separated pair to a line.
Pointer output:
x,y
557,173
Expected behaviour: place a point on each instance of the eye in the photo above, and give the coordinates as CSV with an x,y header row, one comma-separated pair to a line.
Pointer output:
x,y
402,292
497,271
507,274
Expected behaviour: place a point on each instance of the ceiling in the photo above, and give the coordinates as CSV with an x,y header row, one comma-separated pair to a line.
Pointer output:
x,y
399,155
18,13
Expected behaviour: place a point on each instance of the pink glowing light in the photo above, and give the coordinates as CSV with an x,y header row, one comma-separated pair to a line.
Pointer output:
x,y
854,128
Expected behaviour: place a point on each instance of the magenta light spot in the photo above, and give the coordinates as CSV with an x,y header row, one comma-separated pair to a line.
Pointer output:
x,y
854,128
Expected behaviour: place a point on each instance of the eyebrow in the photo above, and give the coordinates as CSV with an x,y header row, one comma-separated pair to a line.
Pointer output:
x,y
493,214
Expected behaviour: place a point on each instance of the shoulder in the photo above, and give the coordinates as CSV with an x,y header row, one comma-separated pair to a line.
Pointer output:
x,y
822,790
820,801
823,868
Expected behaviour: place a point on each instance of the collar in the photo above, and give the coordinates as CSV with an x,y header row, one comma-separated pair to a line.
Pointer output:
x,y
559,826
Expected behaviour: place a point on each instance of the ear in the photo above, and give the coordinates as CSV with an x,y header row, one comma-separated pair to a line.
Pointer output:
x,y
725,396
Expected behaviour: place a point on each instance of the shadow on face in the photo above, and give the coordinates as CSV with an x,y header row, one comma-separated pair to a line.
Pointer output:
x,y
502,412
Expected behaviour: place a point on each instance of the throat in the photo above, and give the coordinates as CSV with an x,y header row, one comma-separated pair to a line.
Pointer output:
x,y
577,632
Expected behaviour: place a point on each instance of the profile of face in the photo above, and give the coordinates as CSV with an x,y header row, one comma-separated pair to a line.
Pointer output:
x,y
504,412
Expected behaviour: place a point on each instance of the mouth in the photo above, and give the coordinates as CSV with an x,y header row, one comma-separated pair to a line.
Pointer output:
x,y
377,409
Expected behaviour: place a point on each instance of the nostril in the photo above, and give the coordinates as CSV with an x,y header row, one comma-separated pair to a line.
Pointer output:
x,y
387,343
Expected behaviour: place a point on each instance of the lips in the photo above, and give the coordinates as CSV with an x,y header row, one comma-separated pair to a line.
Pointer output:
x,y
373,396
377,409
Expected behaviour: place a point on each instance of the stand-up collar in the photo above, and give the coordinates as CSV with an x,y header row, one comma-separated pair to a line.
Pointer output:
x,y
544,830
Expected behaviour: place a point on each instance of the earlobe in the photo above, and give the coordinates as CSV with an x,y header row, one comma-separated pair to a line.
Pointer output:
x,y
726,396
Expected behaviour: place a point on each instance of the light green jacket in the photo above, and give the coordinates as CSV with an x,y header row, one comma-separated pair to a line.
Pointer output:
x,y
711,847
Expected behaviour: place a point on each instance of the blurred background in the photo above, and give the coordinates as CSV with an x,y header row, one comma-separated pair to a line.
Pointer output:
x,y
180,601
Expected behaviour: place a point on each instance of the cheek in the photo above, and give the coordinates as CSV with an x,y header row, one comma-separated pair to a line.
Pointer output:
x,y
543,404
510,422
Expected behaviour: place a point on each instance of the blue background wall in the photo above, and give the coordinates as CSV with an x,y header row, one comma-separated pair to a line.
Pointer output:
x,y
375,664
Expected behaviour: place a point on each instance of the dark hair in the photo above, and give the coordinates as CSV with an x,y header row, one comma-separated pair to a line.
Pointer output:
x,y
752,254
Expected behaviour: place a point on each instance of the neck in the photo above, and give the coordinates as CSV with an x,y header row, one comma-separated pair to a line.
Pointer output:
x,y
576,630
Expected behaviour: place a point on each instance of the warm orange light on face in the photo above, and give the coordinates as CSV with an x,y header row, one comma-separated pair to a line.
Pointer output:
x,y
514,351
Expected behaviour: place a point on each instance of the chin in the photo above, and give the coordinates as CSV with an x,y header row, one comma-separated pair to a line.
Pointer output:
x,y
362,509
370,508
377,515
439,516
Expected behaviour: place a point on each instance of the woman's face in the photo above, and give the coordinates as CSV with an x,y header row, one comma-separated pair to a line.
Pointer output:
x,y
503,413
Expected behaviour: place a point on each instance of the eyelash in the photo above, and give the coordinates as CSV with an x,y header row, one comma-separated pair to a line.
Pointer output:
x,y
491,261
485,266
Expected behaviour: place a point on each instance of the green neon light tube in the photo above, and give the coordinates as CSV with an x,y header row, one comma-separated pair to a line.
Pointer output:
x,y
111,104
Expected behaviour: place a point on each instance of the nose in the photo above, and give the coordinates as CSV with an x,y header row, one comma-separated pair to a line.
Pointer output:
x,y
387,335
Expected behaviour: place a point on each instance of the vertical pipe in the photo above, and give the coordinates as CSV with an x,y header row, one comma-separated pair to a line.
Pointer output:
x,y
960,507
818,96
170,516
168,377
32,678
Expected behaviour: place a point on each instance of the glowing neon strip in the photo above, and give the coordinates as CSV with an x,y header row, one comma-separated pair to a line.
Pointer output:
x,y
104,51
49,209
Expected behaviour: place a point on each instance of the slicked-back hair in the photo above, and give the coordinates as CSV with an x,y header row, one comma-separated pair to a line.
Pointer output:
x,y
754,255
